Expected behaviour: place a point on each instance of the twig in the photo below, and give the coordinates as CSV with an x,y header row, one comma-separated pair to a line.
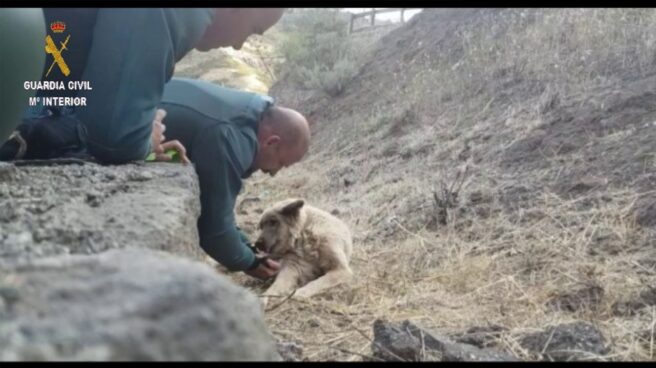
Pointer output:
x,y
651,338
281,302
423,345
411,233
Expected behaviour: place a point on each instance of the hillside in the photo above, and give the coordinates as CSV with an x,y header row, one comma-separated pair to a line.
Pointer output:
x,y
497,168
247,69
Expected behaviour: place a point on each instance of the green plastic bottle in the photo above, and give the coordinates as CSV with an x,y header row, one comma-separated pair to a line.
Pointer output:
x,y
22,56
173,154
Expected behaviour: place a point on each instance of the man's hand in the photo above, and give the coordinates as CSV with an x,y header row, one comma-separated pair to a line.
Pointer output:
x,y
267,268
158,144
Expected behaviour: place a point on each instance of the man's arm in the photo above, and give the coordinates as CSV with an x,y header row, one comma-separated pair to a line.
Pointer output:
x,y
244,238
230,250
219,161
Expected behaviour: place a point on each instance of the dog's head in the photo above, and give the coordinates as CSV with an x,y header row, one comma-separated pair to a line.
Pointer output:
x,y
279,226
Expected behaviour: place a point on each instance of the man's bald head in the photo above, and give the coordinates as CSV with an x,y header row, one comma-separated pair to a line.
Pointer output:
x,y
291,125
283,139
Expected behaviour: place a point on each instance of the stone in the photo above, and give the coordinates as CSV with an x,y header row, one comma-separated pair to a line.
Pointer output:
x,y
567,342
290,351
645,212
588,297
128,304
391,343
7,171
480,336
409,342
87,213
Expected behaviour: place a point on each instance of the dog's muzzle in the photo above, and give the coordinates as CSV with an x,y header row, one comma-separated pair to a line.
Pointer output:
x,y
260,245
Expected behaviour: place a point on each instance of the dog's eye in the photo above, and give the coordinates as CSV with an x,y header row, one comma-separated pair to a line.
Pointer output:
x,y
272,222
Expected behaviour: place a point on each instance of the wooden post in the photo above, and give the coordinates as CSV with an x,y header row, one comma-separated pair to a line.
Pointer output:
x,y
351,23
373,16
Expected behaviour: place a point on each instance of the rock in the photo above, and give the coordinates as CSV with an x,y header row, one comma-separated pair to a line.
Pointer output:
x,y
128,304
94,199
9,294
479,197
74,209
7,171
567,342
393,344
481,337
647,337
16,244
645,212
313,322
290,351
626,308
580,185
141,176
456,352
411,343
648,296
629,308
586,298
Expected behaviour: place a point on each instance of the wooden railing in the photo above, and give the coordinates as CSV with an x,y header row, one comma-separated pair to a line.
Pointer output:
x,y
372,13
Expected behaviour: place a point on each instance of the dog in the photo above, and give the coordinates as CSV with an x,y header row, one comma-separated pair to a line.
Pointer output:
x,y
313,247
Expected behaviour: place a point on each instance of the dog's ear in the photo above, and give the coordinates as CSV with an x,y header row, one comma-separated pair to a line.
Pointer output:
x,y
292,209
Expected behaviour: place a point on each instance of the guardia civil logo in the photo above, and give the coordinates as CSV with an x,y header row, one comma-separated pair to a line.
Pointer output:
x,y
57,29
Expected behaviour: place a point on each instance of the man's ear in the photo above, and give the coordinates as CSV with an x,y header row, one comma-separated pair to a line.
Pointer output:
x,y
272,140
292,209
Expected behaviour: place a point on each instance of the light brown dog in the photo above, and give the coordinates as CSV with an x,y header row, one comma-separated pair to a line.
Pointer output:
x,y
312,245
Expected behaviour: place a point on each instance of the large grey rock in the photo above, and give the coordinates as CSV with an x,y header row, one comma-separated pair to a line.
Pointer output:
x,y
88,208
127,304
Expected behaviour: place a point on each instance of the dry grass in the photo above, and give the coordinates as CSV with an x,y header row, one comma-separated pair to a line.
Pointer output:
x,y
248,69
492,271
514,242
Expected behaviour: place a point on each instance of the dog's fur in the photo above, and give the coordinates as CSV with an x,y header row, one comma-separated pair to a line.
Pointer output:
x,y
312,245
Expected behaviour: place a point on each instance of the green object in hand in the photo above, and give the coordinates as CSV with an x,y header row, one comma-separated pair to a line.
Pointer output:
x,y
173,154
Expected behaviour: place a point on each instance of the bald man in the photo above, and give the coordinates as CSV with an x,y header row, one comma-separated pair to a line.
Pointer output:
x,y
228,135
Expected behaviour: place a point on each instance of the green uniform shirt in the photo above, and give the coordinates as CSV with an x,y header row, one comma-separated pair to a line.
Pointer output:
x,y
127,55
218,127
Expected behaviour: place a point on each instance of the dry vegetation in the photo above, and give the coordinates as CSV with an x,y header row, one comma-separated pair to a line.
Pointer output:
x,y
553,112
246,69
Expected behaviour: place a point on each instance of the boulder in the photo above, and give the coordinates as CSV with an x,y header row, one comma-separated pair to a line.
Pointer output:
x,y
127,304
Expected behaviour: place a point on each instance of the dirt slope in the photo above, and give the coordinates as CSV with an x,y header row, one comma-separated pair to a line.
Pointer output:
x,y
553,115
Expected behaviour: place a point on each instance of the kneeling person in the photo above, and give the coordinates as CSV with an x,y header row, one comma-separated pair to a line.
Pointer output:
x,y
228,135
